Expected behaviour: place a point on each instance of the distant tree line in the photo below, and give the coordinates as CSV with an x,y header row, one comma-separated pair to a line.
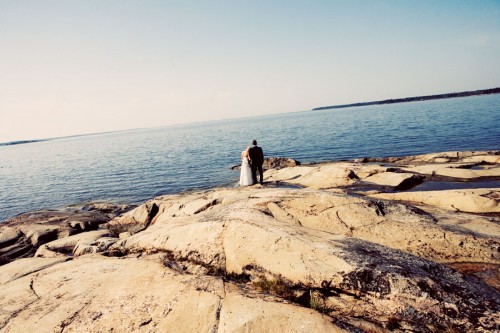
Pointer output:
x,y
415,99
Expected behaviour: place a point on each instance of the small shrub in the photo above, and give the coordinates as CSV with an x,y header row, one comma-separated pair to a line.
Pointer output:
x,y
393,323
278,287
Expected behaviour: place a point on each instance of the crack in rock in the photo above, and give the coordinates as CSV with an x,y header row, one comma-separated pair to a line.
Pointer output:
x,y
215,329
342,221
146,322
207,206
33,289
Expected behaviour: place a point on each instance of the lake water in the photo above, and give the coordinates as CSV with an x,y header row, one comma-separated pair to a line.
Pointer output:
x,y
134,166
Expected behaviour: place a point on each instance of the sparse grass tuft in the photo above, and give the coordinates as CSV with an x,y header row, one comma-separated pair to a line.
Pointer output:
x,y
278,286
317,302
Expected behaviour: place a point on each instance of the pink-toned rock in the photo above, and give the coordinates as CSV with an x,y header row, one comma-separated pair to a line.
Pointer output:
x,y
472,201
317,177
37,228
399,181
280,163
308,240
269,259
99,294
64,246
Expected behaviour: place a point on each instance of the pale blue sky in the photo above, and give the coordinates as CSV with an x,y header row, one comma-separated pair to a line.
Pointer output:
x,y
74,67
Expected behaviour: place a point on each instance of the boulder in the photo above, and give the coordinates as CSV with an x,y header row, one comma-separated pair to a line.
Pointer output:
x,y
317,177
99,245
65,246
400,181
22,241
279,163
39,234
13,245
8,236
134,220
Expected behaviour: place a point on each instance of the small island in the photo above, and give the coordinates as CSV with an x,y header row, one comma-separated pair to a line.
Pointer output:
x,y
415,99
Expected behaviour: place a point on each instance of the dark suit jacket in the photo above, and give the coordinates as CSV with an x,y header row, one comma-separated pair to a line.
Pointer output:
x,y
256,156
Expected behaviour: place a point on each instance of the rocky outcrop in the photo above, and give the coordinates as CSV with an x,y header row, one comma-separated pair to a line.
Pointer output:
x,y
23,235
99,294
279,163
67,245
110,209
399,181
492,156
298,252
393,173
318,177
322,258
134,220
472,201
275,163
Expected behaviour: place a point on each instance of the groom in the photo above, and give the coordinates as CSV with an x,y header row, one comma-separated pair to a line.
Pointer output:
x,y
256,161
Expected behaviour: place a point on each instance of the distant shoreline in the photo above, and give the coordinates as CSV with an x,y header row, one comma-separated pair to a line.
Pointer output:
x,y
388,101
21,142
414,99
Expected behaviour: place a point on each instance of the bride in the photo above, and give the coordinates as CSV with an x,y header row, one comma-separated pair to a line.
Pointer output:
x,y
246,171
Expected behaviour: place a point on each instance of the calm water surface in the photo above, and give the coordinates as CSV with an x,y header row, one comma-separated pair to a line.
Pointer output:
x,y
134,166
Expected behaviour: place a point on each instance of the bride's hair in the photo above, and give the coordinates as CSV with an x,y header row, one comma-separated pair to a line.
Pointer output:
x,y
246,152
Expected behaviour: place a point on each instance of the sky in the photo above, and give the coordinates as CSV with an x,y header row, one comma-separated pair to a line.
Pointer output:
x,y
77,67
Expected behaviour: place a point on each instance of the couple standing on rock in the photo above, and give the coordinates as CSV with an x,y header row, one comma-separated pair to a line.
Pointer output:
x,y
251,160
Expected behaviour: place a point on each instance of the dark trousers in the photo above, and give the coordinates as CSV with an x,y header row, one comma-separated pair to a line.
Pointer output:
x,y
254,173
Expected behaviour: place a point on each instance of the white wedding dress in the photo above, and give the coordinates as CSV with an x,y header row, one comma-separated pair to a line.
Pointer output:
x,y
246,172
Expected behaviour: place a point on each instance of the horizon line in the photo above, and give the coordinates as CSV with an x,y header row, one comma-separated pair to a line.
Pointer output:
x,y
386,101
